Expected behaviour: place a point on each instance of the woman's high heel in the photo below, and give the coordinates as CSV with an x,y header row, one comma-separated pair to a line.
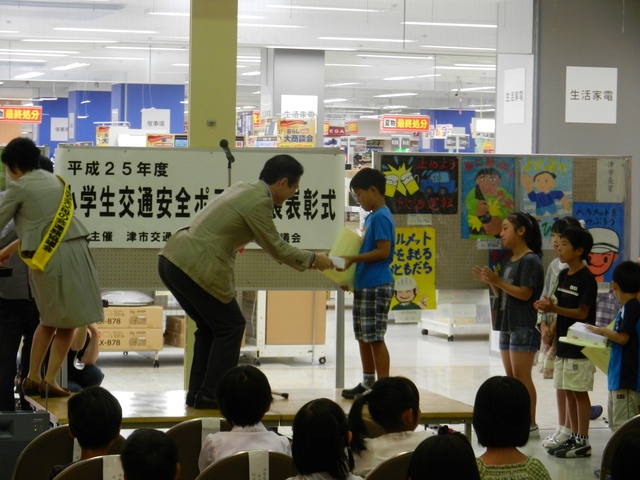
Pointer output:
x,y
30,388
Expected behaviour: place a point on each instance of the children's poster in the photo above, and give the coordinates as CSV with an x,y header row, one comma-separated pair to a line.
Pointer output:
x,y
414,271
421,184
547,189
488,186
605,222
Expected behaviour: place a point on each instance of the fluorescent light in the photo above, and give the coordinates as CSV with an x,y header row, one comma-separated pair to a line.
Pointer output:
x,y
70,66
267,25
393,107
389,95
257,92
22,54
429,75
112,58
180,64
103,30
22,60
82,117
449,47
44,53
402,57
84,102
164,49
184,102
332,49
332,9
67,40
251,74
46,99
345,65
474,65
250,17
343,107
400,78
362,39
472,89
334,100
486,110
464,68
9,31
248,107
444,24
169,14
23,76
345,84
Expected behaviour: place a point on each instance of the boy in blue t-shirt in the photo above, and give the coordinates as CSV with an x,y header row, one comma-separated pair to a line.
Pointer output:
x,y
373,288
624,364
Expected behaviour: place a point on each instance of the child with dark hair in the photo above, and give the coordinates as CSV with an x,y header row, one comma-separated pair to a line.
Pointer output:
x,y
394,404
449,454
94,420
501,420
373,289
624,365
517,288
150,454
244,395
573,372
321,440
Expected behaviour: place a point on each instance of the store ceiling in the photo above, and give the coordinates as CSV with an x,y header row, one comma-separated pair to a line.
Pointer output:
x,y
33,34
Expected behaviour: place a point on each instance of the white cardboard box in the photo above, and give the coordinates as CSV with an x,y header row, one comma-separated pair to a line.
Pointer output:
x,y
132,317
130,339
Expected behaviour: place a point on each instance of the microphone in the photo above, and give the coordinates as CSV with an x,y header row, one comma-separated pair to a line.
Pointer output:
x,y
224,145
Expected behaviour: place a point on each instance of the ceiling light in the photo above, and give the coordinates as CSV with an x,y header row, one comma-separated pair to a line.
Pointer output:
x,y
449,47
472,89
444,24
362,39
392,107
112,58
464,68
248,107
82,117
22,60
70,66
184,102
332,9
23,76
164,49
324,49
267,25
345,65
103,30
22,54
42,52
168,14
389,95
486,110
342,84
401,57
180,64
9,31
474,65
84,102
251,74
45,99
334,100
400,78
67,40
429,75
250,17
257,92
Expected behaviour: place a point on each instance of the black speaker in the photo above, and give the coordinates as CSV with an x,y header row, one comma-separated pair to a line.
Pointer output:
x,y
17,429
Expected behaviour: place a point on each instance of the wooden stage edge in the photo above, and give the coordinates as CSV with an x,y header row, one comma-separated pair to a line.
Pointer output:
x,y
167,408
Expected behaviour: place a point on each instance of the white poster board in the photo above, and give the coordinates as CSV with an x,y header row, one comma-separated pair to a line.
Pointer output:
x,y
513,101
137,197
591,95
59,129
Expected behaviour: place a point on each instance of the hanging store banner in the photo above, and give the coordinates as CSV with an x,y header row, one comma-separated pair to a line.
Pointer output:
x,y
20,114
591,95
352,127
404,123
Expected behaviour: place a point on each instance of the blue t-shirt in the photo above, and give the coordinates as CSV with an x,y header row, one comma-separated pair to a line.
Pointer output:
x,y
624,364
377,226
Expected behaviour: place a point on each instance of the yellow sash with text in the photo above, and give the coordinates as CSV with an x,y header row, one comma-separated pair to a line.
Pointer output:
x,y
55,234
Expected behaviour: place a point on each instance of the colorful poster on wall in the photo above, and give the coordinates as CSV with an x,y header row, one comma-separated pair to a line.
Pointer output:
x,y
488,188
605,222
547,189
414,270
297,133
421,184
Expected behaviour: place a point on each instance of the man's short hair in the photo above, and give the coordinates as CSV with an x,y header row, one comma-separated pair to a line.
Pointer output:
x,y
149,454
579,237
627,276
367,178
21,152
95,416
281,166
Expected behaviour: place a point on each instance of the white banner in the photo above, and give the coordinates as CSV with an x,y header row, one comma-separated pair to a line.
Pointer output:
x,y
591,95
514,95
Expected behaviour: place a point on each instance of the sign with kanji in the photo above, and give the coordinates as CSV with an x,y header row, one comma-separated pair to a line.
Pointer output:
x,y
297,133
591,95
404,123
20,114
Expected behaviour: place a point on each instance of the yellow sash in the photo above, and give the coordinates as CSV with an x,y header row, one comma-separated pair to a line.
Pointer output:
x,y
55,234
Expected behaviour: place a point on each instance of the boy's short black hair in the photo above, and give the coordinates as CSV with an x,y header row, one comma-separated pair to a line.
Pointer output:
x,y
367,178
560,224
553,175
21,152
244,395
501,413
279,167
95,416
579,237
627,276
149,454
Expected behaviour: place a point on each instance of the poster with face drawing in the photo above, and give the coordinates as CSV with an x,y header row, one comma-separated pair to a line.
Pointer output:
x,y
547,189
488,187
605,222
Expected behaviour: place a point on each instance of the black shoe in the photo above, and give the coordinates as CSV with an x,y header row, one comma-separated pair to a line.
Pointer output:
x,y
191,399
202,402
354,392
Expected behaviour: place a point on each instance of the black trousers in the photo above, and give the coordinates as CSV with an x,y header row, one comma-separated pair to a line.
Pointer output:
x,y
220,327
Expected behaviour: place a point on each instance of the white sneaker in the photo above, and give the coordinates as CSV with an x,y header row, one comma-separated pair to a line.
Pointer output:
x,y
555,440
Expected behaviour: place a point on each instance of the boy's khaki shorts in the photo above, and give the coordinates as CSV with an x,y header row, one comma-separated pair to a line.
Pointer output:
x,y
575,374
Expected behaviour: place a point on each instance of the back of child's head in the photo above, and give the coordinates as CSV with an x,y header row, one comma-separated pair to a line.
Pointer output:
x,y
562,223
627,276
320,439
388,400
150,454
367,178
625,462
94,417
532,235
501,413
447,455
579,237
244,395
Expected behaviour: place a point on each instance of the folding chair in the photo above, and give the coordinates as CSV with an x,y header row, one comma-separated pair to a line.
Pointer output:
x,y
96,468
241,466
395,468
633,424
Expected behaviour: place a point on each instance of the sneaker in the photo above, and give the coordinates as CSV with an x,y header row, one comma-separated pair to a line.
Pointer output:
x,y
555,440
352,393
577,450
534,431
596,411
564,445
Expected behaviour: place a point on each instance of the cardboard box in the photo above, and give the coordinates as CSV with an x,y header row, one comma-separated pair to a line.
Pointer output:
x,y
177,324
130,339
578,331
132,317
175,339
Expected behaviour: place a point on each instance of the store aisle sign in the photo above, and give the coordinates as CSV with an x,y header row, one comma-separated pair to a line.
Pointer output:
x,y
335,131
297,133
591,95
404,123
20,114
513,101
352,127
137,197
